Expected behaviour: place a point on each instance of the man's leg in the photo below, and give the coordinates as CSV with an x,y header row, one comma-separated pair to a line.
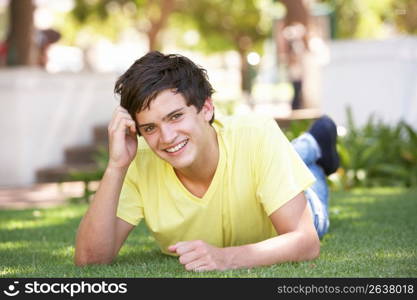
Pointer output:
x,y
317,148
317,194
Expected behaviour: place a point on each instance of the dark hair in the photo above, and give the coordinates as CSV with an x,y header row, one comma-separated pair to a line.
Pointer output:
x,y
156,72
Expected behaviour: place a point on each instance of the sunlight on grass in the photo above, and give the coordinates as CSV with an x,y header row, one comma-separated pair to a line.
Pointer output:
x,y
64,251
372,234
375,191
40,218
14,246
394,254
7,271
344,212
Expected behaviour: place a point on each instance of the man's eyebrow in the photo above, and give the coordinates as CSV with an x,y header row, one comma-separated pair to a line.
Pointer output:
x,y
164,118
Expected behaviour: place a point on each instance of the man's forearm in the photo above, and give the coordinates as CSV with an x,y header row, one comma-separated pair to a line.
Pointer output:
x,y
293,246
95,241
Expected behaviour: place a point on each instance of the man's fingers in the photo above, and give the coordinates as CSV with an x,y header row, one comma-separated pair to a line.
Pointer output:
x,y
172,248
119,113
123,125
201,269
194,255
196,265
118,110
189,257
184,247
131,130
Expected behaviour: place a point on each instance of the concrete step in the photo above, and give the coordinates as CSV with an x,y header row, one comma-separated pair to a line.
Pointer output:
x,y
85,154
80,162
101,135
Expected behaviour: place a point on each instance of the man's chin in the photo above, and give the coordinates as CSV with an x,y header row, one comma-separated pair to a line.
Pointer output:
x,y
175,162
178,165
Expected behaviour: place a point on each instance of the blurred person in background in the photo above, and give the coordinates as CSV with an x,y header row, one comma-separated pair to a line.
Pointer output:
x,y
44,39
293,56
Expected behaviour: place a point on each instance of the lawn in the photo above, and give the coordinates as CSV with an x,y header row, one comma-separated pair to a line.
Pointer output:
x,y
373,234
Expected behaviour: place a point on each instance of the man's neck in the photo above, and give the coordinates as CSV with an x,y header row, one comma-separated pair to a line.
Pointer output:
x,y
201,173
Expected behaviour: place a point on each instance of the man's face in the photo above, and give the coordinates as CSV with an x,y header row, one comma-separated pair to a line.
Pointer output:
x,y
175,131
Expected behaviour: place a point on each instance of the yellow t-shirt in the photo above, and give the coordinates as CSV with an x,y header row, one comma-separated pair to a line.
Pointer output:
x,y
258,172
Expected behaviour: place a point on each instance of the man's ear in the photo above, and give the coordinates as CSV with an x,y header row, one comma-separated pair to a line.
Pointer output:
x,y
208,109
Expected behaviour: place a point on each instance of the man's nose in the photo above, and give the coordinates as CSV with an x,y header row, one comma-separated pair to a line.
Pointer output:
x,y
168,134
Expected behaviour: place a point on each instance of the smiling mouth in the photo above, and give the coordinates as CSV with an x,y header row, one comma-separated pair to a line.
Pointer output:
x,y
177,147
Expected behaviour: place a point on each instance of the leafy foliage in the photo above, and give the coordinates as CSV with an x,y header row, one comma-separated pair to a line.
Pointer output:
x,y
366,18
296,128
239,25
147,16
406,15
378,154
235,24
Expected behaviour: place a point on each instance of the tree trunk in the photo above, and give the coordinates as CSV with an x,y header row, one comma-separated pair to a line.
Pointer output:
x,y
244,72
298,12
158,23
20,36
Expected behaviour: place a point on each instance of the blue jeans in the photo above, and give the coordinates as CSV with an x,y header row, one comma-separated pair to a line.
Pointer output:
x,y
318,194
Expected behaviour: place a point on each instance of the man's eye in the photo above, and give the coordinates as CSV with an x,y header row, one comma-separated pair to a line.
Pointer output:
x,y
149,128
176,116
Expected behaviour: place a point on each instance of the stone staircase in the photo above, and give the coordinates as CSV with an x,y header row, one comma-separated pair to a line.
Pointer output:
x,y
77,159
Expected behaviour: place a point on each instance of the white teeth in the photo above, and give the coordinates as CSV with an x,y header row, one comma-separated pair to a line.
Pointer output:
x,y
177,147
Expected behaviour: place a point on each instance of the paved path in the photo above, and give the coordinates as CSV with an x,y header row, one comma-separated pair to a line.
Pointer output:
x,y
39,195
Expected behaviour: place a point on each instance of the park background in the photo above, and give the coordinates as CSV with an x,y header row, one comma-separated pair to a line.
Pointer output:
x,y
357,61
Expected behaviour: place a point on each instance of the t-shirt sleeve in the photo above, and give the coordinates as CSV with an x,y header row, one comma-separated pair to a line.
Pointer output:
x,y
130,206
280,172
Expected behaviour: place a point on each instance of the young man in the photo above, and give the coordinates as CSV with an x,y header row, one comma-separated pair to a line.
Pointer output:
x,y
220,193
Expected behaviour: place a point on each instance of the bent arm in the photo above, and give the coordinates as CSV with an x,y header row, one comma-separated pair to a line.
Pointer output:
x,y
297,239
101,233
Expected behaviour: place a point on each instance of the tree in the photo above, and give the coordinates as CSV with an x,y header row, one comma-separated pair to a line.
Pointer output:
x,y
292,34
364,19
225,25
406,15
297,11
20,45
150,16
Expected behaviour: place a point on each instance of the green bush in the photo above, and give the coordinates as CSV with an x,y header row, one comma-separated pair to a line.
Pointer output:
x,y
378,154
296,128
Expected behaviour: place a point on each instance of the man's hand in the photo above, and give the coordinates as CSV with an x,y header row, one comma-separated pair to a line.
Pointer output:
x,y
122,139
200,256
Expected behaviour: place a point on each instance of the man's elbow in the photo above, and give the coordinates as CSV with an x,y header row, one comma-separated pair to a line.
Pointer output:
x,y
311,247
82,259
314,247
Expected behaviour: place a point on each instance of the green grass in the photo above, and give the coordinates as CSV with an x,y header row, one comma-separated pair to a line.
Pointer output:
x,y
373,234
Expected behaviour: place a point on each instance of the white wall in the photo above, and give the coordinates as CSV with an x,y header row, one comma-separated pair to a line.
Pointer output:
x,y
377,77
41,114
